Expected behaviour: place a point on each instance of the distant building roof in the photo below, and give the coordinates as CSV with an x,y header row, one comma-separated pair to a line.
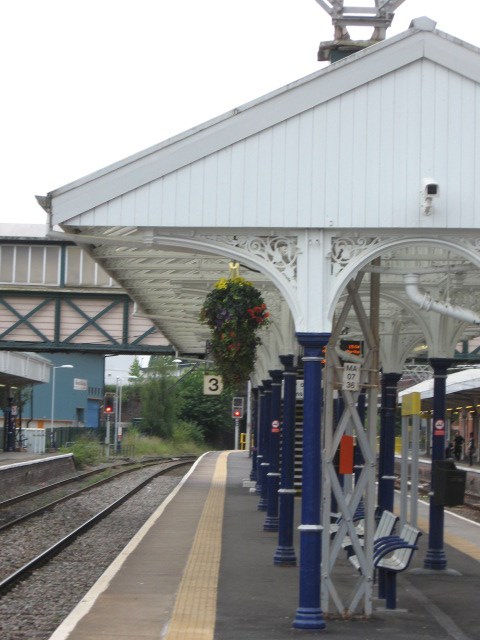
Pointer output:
x,y
12,230
456,382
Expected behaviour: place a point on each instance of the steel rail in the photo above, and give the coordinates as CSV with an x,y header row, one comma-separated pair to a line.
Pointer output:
x,y
49,505
21,573
54,485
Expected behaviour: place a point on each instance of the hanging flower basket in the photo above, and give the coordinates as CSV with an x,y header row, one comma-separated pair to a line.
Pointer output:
x,y
235,311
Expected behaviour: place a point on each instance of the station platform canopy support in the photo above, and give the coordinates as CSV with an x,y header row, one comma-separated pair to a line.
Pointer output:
x,y
18,370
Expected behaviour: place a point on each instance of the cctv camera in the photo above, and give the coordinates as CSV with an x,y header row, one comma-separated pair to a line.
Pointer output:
x,y
430,190
431,187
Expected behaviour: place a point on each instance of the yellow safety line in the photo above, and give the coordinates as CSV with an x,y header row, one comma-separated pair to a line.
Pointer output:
x,y
460,544
195,608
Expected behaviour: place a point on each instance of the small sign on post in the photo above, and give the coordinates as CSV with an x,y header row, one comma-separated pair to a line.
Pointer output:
x,y
351,376
275,426
212,385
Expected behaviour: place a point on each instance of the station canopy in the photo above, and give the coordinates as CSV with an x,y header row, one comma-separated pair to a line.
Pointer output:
x,y
345,152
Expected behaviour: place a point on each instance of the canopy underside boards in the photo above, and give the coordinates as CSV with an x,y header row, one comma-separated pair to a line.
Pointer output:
x,y
170,286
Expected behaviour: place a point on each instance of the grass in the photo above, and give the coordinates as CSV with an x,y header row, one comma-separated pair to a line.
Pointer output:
x,y
86,452
186,439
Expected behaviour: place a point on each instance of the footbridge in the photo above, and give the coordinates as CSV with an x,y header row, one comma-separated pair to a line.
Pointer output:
x,y
55,298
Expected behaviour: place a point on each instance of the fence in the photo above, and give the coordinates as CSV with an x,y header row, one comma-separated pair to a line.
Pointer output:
x,y
45,440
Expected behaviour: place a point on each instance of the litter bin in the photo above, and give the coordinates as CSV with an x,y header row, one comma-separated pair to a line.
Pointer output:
x,y
448,484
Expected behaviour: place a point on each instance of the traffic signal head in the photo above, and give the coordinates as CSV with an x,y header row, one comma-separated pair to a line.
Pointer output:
x,y
237,408
108,404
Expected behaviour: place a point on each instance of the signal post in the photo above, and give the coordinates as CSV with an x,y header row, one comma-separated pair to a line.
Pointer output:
x,y
237,415
108,411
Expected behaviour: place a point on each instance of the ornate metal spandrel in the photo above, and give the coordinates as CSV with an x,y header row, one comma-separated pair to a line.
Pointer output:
x,y
346,249
280,251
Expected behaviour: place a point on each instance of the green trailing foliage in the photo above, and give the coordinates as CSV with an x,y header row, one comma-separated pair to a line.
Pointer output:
x,y
235,311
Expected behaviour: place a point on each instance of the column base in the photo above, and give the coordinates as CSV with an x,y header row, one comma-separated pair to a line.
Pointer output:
x,y
262,505
309,618
435,559
271,523
285,556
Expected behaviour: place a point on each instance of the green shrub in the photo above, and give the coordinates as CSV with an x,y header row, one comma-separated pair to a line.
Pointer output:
x,y
86,451
186,438
187,432
146,445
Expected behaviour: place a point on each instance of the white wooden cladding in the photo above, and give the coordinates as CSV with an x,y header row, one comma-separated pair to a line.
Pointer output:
x,y
356,160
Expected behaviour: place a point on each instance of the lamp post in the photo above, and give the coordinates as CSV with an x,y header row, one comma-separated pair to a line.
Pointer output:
x,y
118,408
61,366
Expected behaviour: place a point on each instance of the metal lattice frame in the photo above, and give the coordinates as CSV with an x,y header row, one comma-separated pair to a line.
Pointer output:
x,y
350,423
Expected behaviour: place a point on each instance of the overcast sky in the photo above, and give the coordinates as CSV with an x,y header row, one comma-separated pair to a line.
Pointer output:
x,y
86,83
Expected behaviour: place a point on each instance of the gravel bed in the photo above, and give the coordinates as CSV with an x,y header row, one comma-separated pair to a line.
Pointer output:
x,y
18,509
26,612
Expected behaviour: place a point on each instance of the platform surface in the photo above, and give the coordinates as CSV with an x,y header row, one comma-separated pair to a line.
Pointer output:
x,y
202,569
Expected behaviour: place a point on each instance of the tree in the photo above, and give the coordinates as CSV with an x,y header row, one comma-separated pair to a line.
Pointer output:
x,y
210,413
135,370
158,395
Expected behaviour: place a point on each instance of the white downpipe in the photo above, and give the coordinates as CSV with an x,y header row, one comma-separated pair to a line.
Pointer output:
x,y
424,301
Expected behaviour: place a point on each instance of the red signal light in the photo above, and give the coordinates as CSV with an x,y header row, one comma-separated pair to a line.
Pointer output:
x,y
237,407
109,404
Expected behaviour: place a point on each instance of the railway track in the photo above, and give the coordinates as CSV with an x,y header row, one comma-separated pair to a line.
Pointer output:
x,y
24,569
17,509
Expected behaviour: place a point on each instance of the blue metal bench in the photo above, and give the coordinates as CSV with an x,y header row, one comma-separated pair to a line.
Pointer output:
x,y
357,517
392,554
384,528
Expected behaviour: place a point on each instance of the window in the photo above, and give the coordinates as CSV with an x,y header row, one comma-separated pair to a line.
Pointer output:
x,y
29,264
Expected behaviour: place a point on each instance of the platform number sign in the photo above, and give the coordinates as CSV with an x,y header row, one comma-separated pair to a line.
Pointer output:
x,y
351,376
212,385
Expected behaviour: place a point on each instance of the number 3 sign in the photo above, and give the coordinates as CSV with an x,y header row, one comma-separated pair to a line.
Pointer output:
x,y
212,385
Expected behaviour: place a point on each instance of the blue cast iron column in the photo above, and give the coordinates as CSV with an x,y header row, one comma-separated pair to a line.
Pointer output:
x,y
285,553
309,615
265,463
260,437
386,465
436,558
273,475
254,444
